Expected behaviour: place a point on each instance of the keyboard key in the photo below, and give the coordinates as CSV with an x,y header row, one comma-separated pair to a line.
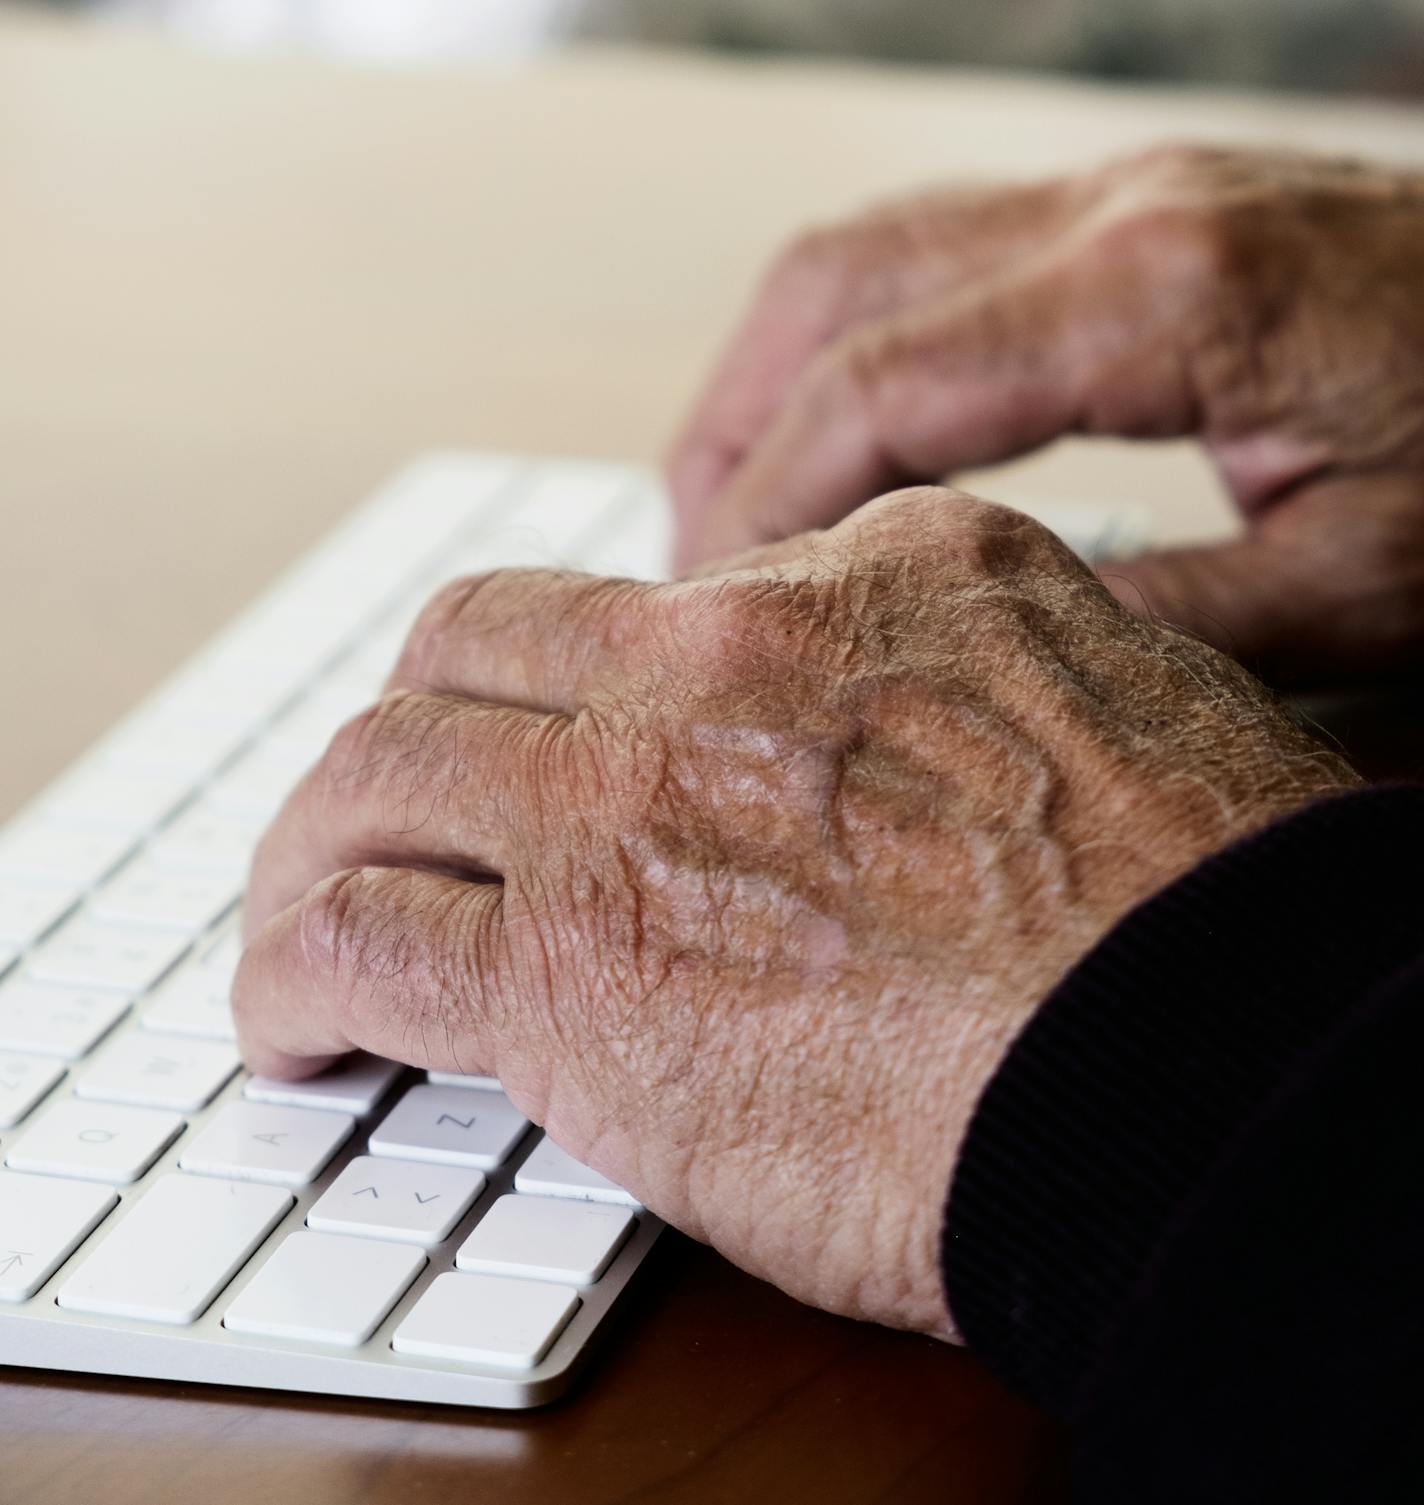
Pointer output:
x,y
145,896
94,1141
459,1079
354,1085
552,1172
193,1001
486,1320
179,1245
256,1142
50,854
159,1071
208,841
542,1238
452,1126
397,1199
100,798
219,955
28,909
175,741
42,1222
256,786
317,1288
63,1022
87,954
24,1081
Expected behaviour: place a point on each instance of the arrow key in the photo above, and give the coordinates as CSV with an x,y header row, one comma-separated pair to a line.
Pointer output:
x,y
396,1199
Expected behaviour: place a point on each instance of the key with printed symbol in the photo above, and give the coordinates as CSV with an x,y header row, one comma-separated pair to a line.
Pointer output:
x,y
546,1238
94,1141
54,1021
487,1320
24,1082
552,1172
193,1001
258,1142
145,896
354,1085
42,1222
317,1288
88,954
396,1199
451,1126
159,1071
179,1245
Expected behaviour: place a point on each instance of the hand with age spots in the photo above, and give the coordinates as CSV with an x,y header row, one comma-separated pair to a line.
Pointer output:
x,y
743,885
1269,304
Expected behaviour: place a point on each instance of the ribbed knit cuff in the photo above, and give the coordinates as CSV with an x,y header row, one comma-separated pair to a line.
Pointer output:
x,y
1110,1111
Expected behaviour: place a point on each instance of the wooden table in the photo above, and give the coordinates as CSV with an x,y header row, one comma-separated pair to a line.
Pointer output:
x,y
232,295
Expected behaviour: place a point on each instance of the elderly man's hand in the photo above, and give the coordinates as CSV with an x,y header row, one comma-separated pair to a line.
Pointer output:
x,y
744,885
1272,305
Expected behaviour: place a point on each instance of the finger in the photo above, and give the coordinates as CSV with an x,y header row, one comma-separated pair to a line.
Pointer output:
x,y
428,781
544,639
830,280
1080,340
1329,581
406,964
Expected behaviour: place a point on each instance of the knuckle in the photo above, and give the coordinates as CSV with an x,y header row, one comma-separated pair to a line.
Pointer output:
x,y
387,754
924,530
450,607
332,935
362,743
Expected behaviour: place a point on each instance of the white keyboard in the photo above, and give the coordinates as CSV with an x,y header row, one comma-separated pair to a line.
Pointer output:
x,y
372,1232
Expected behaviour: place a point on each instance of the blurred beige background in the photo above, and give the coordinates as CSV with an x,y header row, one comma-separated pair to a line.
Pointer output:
x,y
236,290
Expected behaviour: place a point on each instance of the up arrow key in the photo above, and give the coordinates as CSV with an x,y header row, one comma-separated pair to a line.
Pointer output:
x,y
367,1191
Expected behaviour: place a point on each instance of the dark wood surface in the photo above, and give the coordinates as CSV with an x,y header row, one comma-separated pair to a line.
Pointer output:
x,y
714,1387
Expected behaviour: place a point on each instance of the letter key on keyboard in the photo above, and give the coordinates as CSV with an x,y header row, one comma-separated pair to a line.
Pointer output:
x,y
452,1125
255,1142
94,1141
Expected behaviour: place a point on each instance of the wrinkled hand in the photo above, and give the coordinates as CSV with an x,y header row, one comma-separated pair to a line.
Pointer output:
x,y
1272,305
743,885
